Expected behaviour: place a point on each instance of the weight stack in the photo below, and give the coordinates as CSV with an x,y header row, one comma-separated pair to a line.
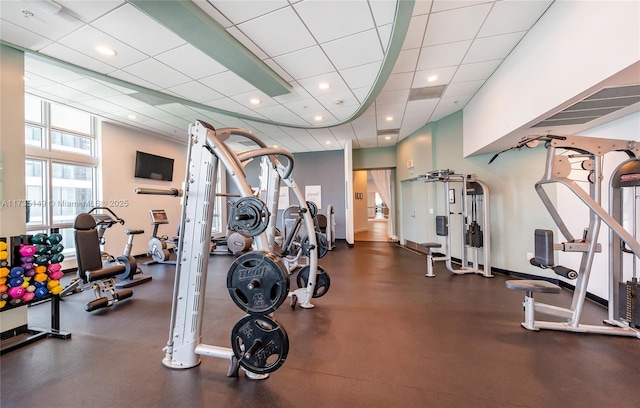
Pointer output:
x,y
628,303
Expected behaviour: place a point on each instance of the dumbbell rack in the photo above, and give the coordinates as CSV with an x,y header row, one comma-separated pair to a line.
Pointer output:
x,y
23,335
205,150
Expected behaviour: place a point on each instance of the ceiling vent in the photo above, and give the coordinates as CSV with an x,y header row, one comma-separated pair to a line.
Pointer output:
x,y
601,103
428,92
388,132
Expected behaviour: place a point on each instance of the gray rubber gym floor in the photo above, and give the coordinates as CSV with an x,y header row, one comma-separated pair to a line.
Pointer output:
x,y
383,336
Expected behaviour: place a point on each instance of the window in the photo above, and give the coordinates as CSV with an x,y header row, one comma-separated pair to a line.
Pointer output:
x,y
60,167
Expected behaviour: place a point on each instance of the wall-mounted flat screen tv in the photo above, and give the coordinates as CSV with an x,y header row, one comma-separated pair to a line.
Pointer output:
x,y
153,167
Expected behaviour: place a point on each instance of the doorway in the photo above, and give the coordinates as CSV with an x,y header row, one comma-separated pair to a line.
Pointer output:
x,y
373,206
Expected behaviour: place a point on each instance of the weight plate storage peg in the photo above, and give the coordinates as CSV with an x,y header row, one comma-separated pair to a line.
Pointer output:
x,y
259,343
322,281
249,217
258,282
321,242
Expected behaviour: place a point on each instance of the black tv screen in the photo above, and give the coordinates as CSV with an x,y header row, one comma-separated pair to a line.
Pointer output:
x,y
153,167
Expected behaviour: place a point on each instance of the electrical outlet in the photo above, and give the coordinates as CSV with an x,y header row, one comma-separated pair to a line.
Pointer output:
x,y
529,255
430,210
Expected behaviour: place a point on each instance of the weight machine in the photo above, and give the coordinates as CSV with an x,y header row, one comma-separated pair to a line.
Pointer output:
x,y
473,238
312,280
331,228
258,281
563,152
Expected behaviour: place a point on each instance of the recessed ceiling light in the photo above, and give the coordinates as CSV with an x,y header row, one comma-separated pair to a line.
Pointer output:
x,y
132,116
318,118
26,78
389,118
275,146
328,142
387,138
106,51
324,85
432,78
255,101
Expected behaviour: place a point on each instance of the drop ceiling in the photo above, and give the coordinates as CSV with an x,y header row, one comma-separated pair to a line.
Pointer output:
x,y
208,60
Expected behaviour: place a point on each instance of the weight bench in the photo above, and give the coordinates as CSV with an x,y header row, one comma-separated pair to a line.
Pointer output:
x,y
90,268
431,256
530,286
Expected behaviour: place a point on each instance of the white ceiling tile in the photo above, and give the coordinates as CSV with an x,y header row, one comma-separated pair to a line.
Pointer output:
x,y
17,35
196,92
51,72
398,81
241,11
177,109
357,49
226,104
392,97
247,42
362,75
297,93
362,93
67,92
421,7
424,106
121,89
88,11
467,22
445,74
315,62
343,132
311,84
348,100
157,73
384,12
443,55
385,35
278,33
462,89
74,57
442,5
479,70
245,99
407,61
510,16
278,70
127,77
35,81
492,48
274,112
126,101
91,87
331,19
47,25
100,105
129,24
206,6
191,61
86,39
415,33
227,83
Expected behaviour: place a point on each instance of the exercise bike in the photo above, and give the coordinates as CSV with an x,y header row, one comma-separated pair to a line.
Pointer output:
x,y
161,249
130,275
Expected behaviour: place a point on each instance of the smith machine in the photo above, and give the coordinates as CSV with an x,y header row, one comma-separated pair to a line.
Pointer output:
x,y
472,216
567,158
257,281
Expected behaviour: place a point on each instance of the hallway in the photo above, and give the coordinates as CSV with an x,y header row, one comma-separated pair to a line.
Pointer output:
x,y
376,232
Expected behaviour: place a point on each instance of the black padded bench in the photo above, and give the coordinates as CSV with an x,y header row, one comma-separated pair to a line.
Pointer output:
x,y
431,256
531,286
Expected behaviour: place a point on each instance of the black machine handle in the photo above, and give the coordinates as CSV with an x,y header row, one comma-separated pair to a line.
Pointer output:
x,y
117,219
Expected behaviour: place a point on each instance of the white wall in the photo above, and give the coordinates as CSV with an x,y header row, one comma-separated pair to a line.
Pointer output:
x,y
119,145
574,46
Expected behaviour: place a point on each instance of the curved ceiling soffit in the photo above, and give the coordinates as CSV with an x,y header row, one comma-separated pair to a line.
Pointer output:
x,y
404,10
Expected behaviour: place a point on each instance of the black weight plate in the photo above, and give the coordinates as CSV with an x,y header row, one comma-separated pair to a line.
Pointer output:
x,y
249,217
321,243
259,343
258,282
322,280
313,208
